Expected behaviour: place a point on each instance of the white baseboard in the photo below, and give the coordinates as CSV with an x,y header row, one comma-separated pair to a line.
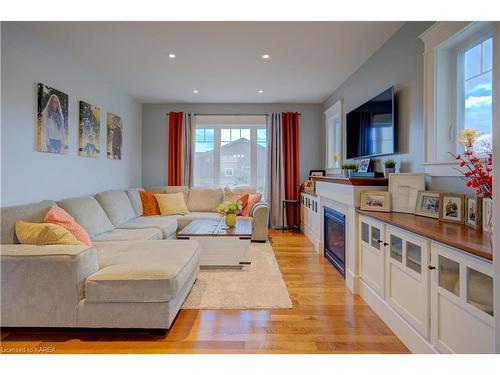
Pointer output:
x,y
406,333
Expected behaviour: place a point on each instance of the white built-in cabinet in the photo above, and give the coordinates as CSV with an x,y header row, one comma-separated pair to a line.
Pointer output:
x,y
438,298
462,302
310,217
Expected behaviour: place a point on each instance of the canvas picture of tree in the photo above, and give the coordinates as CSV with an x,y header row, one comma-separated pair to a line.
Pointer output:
x,y
115,128
89,130
52,120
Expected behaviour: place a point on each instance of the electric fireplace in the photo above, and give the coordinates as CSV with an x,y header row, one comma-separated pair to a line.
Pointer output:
x,y
334,238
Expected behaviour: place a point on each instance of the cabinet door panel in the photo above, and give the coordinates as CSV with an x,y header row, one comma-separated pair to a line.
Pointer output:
x,y
372,254
462,302
407,277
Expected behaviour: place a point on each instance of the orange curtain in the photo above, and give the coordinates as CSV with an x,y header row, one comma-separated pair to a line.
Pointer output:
x,y
174,149
291,159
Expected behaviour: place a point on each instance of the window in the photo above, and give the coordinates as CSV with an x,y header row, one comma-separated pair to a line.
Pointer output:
x,y
457,90
230,151
475,91
333,138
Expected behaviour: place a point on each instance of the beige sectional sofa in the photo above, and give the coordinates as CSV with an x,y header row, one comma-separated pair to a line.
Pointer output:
x,y
135,274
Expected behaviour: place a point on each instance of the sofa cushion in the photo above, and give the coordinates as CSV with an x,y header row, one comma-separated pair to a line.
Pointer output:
x,y
167,224
121,234
57,215
204,200
171,204
33,212
142,271
117,206
238,190
135,200
44,234
88,213
169,190
252,200
149,204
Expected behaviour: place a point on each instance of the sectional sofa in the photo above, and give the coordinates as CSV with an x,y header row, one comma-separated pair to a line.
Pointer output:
x,y
135,274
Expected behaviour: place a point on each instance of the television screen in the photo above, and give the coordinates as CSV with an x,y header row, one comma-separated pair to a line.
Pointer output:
x,y
370,128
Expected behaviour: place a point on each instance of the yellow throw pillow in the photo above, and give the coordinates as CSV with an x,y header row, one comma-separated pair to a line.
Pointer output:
x,y
172,204
44,234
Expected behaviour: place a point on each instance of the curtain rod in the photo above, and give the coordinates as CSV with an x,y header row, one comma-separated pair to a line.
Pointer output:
x,y
230,114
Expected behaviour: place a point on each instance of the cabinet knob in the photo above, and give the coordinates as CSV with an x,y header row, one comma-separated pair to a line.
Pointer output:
x,y
386,244
431,267
380,241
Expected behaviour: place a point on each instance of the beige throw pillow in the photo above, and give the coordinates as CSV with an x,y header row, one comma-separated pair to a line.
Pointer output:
x,y
171,204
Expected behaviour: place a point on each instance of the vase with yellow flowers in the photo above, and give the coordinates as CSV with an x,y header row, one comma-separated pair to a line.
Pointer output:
x,y
229,210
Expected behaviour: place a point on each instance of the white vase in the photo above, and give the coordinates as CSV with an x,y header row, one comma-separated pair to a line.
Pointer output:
x,y
387,171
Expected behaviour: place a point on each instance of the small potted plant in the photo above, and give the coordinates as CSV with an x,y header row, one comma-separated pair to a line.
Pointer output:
x,y
389,166
229,210
348,168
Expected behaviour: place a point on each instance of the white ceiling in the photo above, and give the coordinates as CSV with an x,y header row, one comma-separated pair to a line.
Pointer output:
x,y
222,60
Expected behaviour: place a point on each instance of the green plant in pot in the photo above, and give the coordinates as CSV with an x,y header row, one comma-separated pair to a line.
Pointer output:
x,y
348,168
389,166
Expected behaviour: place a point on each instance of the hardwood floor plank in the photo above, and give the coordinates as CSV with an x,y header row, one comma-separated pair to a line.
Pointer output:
x,y
325,318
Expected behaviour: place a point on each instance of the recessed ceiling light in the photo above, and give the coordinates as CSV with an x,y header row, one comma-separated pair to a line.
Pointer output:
x,y
195,91
266,56
260,91
171,56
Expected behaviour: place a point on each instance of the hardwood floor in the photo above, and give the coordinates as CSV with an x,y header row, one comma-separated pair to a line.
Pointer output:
x,y
325,318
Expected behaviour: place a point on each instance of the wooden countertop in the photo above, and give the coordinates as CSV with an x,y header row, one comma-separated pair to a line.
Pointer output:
x,y
454,235
353,181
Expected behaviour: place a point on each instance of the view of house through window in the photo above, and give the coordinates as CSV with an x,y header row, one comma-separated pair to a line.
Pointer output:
x,y
475,84
230,151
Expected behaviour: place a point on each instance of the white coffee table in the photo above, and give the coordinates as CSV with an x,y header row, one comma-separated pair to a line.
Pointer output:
x,y
220,245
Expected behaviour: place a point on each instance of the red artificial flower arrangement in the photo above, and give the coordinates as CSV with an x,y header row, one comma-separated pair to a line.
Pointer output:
x,y
476,171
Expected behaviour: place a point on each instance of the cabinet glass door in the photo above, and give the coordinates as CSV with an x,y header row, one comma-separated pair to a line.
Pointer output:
x,y
365,232
376,238
480,290
449,275
396,248
414,257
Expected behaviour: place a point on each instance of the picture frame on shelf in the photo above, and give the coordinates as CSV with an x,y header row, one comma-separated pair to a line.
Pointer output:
x,y
486,211
427,204
364,165
404,188
375,201
474,213
316,173
451,208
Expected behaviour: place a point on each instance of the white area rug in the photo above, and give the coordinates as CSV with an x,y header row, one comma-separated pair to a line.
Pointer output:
x,y
257,286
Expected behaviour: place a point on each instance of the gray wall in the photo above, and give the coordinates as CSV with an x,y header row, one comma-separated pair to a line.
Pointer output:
x,y
155,133
398,63
28,175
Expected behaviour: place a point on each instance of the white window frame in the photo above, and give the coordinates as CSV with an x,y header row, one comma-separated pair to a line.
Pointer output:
x,y
442,42
335,142
217,146
471,42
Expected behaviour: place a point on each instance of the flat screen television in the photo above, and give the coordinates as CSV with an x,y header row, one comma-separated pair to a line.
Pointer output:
x,y
371,128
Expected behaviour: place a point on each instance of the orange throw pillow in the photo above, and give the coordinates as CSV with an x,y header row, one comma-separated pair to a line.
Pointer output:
x,y
149,204
252,199
57,215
